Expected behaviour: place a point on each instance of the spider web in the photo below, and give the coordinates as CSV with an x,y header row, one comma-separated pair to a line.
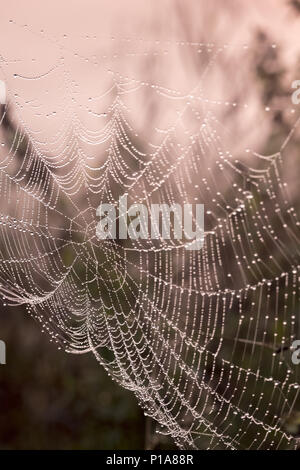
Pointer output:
x,y
202,338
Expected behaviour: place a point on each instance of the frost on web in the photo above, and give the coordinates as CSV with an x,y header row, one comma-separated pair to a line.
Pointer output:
x,y
202,338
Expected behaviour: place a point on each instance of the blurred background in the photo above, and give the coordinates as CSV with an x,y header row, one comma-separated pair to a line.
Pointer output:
x,y
53,400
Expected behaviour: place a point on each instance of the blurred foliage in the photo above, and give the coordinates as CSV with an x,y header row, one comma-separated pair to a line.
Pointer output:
x,y
52,400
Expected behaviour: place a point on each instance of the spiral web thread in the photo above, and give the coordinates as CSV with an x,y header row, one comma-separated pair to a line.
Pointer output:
x,y
202,338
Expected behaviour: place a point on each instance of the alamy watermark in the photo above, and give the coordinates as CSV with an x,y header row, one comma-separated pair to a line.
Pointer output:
x,y
2,92
159,221
296,94
2,352
296,352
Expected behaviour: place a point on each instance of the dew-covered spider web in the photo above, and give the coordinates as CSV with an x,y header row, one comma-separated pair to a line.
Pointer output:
x,y
202,338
